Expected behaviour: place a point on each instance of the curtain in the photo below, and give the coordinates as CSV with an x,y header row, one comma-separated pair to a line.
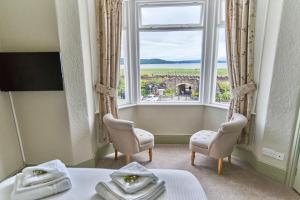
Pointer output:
x,y
109,25
240,36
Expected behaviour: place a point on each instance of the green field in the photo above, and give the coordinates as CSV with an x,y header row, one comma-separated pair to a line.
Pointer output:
x,y
177,71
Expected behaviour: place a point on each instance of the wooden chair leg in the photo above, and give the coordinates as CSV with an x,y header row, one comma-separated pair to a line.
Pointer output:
x,y
220,163
229,159
193,158
116,154
150,154
127,158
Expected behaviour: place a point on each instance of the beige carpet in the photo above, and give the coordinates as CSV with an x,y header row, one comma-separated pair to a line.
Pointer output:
x,y
239,181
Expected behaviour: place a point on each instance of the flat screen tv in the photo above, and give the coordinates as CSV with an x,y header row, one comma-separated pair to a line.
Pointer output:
x,y
30,71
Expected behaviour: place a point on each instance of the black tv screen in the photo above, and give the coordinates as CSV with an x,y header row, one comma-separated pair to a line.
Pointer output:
x,y
30,71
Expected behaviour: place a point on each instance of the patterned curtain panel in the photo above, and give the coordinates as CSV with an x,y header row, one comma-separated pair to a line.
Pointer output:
x,y
109,24
240,36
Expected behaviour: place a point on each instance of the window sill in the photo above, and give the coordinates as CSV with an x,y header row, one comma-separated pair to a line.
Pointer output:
x,y
218,105
213,105
125,106
169,104
221,106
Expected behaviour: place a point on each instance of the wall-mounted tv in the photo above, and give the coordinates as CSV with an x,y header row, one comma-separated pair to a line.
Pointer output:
x,y
30,71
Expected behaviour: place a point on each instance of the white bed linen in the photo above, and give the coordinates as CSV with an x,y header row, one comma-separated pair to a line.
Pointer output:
x,y
180,185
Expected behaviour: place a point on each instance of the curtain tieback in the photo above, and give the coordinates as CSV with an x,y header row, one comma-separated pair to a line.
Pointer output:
x,y
244,89
105,90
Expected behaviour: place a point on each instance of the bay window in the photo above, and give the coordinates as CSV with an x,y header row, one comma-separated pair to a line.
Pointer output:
x,y
168,52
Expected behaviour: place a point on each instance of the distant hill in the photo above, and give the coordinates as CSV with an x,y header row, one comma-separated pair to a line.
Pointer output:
x,y
161,61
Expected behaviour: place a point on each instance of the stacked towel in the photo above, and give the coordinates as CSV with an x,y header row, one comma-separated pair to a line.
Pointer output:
x,y
145,177
41,181
146,187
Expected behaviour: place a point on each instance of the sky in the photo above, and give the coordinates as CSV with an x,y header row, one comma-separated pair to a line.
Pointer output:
x,y
175,45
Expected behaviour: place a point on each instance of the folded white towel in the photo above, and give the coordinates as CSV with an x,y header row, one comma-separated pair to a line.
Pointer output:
x,y
145,177
39,190
110,191
53,169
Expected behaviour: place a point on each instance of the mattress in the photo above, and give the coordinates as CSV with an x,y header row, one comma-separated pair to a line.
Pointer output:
x,y
180,185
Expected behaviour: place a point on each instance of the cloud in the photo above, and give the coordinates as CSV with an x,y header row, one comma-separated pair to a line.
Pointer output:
x,y
175,45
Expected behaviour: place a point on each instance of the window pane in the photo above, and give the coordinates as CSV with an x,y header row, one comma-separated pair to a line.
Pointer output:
x,y
222,10
122,85
223,94
171,15
170,64
123,73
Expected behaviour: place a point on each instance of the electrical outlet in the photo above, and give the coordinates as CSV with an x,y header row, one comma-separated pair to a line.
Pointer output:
x,y
272,153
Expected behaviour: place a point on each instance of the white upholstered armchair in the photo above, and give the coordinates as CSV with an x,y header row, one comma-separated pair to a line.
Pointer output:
x,y
127,139
218,144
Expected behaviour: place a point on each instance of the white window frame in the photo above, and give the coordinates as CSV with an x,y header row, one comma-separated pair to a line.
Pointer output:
x,y
171,27
171,4
218,24
210,12
125,27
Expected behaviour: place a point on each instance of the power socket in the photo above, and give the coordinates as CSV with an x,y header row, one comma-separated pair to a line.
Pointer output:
x,y
272,153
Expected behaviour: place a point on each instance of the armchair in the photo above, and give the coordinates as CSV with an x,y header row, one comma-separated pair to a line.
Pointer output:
x,y
218,144
127,139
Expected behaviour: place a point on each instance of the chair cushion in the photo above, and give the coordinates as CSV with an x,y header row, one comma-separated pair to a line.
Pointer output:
x,y
143,136
203,138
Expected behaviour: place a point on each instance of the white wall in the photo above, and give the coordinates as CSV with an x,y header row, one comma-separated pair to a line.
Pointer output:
x,y
28,25
174,119
213,117
42,119
269,39
285,88
164,120
31,26
50,126
271,26
128,114
10,153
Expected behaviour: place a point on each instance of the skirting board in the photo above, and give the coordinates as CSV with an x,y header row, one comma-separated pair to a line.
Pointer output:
x,y
172,139
268,170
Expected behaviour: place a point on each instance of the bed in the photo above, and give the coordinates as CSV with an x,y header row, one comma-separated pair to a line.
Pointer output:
x,y
180,185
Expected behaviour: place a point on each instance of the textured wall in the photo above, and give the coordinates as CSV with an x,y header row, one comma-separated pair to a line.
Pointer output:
x,y
285,88
266,63
72,44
